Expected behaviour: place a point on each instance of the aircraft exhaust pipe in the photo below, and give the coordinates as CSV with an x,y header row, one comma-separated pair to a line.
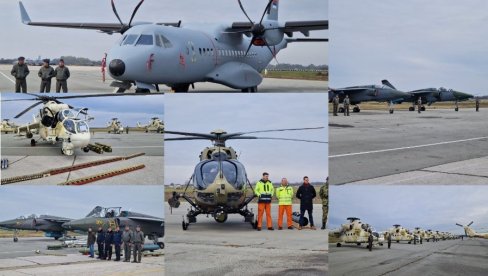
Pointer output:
x,y
296,218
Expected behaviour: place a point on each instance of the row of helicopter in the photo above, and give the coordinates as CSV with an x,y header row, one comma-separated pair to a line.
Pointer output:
x,y
357,232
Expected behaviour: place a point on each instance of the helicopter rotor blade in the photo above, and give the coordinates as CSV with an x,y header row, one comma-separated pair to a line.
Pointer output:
x,y
135,11
232,135
185,139
459,225
274,138
27,109
195,134
469,224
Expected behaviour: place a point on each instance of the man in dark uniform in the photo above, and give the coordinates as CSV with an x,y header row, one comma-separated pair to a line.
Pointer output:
x,y
100,243
46,73
477,103
456,105
370,240
109,241
20,71
90,242
335,104
389,239
117,243
62,74
346,104
306,193
324,195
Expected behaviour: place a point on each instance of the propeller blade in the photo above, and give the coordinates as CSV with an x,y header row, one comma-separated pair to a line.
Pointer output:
x,y
265,11
116,13
135,11
470,223
231,135
27,109
244,11
281,139
272,52
250,45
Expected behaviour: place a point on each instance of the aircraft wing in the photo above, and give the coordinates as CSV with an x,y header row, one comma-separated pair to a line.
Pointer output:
x,y
28,127
57,219
349,90
289,27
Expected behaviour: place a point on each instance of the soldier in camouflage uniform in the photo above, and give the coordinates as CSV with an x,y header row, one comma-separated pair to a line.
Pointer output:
x,y
20,71
335,104
46,73
324,195
62,74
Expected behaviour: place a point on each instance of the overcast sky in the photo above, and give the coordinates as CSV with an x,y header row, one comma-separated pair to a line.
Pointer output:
x,y
33,41
77,202
248,112
129,109
430,207
412,43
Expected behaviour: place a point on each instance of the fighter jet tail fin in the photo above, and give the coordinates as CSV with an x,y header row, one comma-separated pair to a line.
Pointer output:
x,y
23,14
387,83
273,10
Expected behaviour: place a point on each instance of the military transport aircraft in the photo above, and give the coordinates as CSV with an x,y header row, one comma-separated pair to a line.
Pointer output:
x,y
471,233
431,95
153,227
179,55
51,225
369,93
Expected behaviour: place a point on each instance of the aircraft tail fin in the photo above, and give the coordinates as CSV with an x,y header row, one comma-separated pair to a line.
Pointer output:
x,y
273,10
23,14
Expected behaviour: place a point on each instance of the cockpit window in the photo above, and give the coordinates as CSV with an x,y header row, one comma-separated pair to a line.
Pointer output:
x,y
66,113
81,127
130,39
162,41
69,125
122,39
145,40
207,171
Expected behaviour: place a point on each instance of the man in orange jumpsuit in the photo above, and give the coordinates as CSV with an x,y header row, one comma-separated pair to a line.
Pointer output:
x,y
264,191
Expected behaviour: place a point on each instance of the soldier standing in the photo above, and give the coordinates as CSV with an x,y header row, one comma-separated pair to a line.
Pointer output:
x,y
477,103
419,104
46,73
335,103
138,242
306,193
264,191
324,195
127,240
117,243
62,74
370,240
20,71
90,242
389,239
456,105
346,105
100,243
109,241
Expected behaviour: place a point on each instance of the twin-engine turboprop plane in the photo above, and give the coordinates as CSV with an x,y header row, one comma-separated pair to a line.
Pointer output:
x,y
180,55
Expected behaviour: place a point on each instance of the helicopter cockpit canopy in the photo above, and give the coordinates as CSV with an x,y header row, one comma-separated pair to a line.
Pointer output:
x,y
207,171
109,212
75,126
64,114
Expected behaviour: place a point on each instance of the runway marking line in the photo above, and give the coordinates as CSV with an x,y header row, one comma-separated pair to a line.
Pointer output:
x,y
408,147
7,77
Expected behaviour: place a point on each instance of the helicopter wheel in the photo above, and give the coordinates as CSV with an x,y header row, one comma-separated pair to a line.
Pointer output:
x,y
391,111
161,245
29,135
16,239
356,109
86,149
33,143
422,108
184,225
340,110
339,245
411,108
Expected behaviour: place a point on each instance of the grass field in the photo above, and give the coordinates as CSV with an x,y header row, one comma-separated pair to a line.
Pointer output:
x,y
24,233
405,106
168,192
299,75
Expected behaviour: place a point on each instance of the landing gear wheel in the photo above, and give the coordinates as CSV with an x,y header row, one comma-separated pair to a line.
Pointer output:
x,y
341,110
422,108
56,238
339,245
29,135
161,245
146,131
184,225
86,149
356,109
411,108
142,90
181,87
33,143
250,89
391,111
456,109
16,239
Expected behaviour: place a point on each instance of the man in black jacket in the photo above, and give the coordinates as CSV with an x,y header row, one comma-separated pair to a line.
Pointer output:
x,y
100,243
109,241
306,193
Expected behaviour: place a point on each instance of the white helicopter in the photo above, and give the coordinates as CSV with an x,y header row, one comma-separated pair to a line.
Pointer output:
x,y
115,126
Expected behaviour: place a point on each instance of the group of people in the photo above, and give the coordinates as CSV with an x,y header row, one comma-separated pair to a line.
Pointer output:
x,y
346,103
265,192
107,240
20,71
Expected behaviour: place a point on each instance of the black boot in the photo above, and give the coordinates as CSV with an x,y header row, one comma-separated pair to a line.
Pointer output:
x,y
323,226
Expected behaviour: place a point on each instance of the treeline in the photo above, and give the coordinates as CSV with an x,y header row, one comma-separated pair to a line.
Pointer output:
x,y
297,67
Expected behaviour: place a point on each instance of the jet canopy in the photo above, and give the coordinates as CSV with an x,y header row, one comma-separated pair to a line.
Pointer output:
x,y
101,212
231,171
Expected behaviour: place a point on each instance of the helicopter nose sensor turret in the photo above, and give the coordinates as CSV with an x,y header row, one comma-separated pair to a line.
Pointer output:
x,y
116,67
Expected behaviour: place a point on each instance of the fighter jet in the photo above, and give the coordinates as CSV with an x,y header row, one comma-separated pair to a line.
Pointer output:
x,y
471,233
369,93
153,227
178,55
50,225
432,95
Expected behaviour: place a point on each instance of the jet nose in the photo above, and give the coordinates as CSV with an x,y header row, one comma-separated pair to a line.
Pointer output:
x,y
7,223
461,95
116,67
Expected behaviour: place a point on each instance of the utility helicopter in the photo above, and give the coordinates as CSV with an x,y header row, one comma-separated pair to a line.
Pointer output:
x,y
59,123
115,126
220,183
399,233
155,124
356,232
180,55
7,126
471,233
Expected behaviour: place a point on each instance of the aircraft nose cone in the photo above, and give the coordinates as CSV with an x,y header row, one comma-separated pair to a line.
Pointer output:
x,y
461,95
116,67
7,223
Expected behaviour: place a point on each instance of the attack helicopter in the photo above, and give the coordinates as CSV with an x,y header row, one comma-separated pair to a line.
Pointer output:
x,y
105,217
421,235
60,123
155,124
356,232
219,180
115,126
399,233
50,225
7,126
471,233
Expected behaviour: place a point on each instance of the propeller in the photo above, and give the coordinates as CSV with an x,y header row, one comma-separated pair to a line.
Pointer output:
x,y
124,27
219,136
257,30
